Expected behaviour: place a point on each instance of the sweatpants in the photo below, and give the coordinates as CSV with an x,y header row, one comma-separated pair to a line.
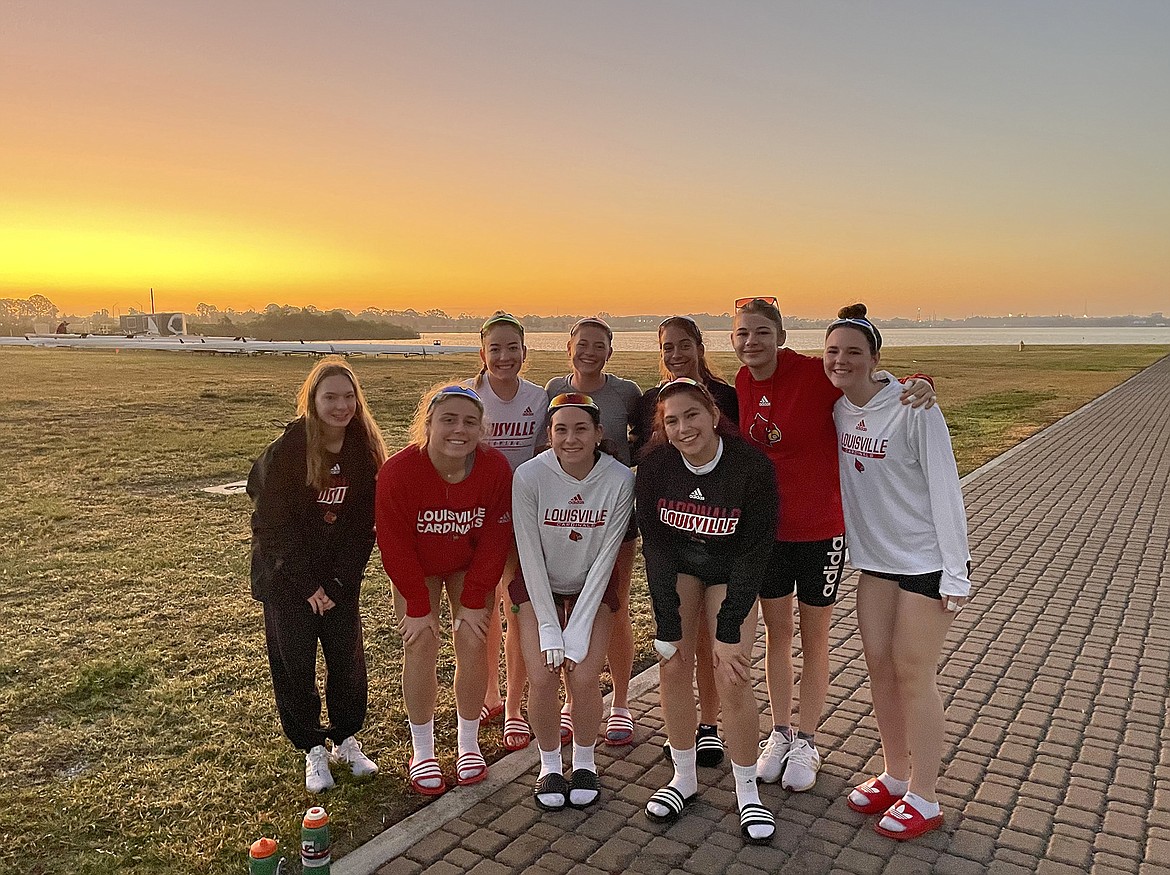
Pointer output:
x,y
291,633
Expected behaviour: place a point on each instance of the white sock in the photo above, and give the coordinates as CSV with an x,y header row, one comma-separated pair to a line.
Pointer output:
x,y
685,780
422,737
746,789
926,809
583,757
550,762
747,792
468,736
895,786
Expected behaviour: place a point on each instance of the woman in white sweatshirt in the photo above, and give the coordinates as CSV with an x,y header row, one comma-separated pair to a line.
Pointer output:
x,y
571,507
898,474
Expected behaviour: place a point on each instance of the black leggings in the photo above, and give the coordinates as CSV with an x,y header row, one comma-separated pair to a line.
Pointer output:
x,y
291,633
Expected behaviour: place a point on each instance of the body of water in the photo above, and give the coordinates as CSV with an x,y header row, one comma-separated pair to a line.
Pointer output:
x,y
809,339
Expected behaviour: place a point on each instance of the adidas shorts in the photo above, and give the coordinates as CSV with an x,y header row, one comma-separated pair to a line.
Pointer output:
x,y
811,569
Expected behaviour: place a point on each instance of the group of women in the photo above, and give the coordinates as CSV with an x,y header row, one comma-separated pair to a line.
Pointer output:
x,y
513,495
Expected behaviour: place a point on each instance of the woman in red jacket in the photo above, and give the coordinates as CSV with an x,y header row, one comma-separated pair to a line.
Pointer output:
x,y
443,513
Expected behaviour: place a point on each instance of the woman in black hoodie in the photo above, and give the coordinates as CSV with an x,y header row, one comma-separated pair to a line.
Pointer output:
x,y
312,535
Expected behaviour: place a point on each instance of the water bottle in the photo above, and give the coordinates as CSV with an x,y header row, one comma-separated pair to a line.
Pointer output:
x,y
315,841
262,859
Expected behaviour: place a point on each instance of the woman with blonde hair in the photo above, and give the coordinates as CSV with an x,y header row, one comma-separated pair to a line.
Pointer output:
x,y
443,511
312,535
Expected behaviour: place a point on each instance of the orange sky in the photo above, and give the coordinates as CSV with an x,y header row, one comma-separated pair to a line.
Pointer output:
x,y
652,157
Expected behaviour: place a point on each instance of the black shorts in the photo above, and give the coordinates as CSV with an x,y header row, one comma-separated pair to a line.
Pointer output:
x,y
631,530
811,569
922,584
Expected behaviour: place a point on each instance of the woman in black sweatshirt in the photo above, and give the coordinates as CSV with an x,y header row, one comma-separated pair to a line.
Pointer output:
x,y
706,505
312,534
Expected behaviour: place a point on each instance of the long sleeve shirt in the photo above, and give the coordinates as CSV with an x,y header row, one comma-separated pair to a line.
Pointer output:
x,y
719,526
904,509
427,527
568,533
304,538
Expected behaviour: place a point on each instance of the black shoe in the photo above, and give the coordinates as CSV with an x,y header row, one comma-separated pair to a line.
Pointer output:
x,y
708,746
583,781
552,784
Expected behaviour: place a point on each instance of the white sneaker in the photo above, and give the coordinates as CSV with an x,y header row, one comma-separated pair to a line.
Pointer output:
x,y
771,761
801,764
317,774
350,751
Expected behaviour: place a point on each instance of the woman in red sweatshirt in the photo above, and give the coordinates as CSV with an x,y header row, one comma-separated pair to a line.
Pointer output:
x,y
443,517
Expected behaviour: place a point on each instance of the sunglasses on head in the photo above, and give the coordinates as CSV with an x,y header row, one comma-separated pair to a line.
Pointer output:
x,y
459,391
572,399
740,303
686,319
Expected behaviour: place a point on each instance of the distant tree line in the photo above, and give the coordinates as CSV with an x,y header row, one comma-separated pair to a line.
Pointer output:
x,y
308,323
284,322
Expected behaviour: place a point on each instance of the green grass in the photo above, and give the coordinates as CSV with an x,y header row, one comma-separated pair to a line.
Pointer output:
x,y
135,706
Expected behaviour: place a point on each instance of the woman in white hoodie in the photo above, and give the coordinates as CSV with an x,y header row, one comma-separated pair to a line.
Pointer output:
x,y
898,474
571,508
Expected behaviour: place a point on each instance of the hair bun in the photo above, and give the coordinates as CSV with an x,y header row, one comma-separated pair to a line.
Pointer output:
x,y
853,311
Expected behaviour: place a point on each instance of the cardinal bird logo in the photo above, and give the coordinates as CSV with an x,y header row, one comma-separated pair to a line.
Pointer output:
x,y
857,464
574,535
763,431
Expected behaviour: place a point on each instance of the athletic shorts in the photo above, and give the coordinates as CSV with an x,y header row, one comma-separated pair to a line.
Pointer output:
x,y
811,569
518,593
922,584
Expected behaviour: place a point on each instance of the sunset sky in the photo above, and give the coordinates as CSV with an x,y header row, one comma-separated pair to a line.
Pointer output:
x,y
555,157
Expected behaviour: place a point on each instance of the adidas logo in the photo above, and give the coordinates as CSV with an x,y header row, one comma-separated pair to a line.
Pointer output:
x,y
335,470
527,412
860,425
577,499
764,402
698,495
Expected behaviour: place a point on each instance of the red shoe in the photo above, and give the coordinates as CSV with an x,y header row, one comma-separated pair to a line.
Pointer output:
x,y
912,821
877,797
470,769
426,770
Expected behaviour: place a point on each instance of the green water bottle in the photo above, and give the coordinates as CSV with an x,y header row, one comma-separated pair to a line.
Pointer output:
x,y
315,841
262,859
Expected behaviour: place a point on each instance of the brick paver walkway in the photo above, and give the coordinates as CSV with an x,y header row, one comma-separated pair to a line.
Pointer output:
x,y
1055,680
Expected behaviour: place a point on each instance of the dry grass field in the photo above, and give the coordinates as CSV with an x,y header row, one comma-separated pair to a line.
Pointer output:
x,y
136,721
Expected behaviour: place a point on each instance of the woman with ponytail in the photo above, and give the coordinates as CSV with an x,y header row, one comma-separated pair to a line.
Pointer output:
x,y
516,416
898,474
